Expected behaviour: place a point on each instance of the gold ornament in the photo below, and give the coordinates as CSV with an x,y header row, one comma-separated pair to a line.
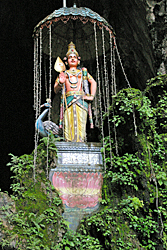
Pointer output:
x,y
71,50
74,72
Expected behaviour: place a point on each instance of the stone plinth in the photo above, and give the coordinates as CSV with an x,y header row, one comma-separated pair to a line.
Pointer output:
x,y
78,179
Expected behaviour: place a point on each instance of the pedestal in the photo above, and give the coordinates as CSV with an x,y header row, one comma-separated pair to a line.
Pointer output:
x,y
78,179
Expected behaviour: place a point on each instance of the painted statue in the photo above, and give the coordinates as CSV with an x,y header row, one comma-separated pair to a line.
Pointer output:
x,y
78,91
45,127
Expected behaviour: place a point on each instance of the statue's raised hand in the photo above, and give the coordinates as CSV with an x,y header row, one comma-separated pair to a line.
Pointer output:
x,y
62,77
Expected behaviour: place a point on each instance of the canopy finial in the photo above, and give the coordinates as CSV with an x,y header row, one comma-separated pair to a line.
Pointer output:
x,y
64,3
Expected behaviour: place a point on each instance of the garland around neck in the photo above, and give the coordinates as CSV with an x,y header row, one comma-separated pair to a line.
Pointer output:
x,y
73,73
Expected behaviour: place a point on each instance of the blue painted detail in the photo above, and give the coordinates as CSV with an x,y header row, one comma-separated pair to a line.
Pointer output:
x,y
44,127
39,124
83,11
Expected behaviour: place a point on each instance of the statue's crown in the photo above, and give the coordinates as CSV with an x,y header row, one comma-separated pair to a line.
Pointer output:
x,y
71,50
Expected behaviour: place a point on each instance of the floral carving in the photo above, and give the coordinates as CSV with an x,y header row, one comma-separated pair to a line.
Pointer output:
x,y
80,190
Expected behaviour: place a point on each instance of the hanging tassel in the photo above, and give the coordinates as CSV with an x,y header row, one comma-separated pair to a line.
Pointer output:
x,y
100,103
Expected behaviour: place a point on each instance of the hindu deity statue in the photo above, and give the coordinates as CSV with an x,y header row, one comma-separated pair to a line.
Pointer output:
x,y
78,91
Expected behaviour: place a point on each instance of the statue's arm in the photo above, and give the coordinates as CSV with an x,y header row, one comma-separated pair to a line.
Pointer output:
x,y
57,86
93,87
59,82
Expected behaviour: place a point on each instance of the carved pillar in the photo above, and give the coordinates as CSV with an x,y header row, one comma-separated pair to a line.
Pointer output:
x,y
78,179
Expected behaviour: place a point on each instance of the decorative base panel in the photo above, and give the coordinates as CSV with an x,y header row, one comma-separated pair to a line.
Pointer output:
x,y
78,179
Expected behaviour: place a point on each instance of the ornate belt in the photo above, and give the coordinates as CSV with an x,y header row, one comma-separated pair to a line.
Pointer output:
x,y
71,93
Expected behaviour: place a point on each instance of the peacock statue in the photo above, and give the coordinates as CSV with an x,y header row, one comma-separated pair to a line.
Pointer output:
x,y
45,127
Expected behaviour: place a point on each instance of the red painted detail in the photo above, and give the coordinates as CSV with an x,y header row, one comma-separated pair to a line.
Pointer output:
x,y
80,190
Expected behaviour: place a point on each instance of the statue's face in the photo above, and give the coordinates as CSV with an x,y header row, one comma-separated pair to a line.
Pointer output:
x,y
72,60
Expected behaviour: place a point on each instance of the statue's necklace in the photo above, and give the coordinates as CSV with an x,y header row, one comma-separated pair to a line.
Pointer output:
x,y
73,73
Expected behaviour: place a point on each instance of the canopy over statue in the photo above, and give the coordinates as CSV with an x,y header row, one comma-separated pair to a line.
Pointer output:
x,y
73,24
88,37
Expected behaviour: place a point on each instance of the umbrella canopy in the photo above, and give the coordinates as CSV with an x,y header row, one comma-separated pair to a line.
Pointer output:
x,y
74,24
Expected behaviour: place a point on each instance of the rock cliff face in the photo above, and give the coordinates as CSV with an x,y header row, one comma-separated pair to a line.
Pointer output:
x,y
157,23
129,21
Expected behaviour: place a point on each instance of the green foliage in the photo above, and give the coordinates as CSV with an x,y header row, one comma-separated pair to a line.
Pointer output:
x,y
75,241
135,183
36,219
158,81
123,226
125,170
113,230
145,226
